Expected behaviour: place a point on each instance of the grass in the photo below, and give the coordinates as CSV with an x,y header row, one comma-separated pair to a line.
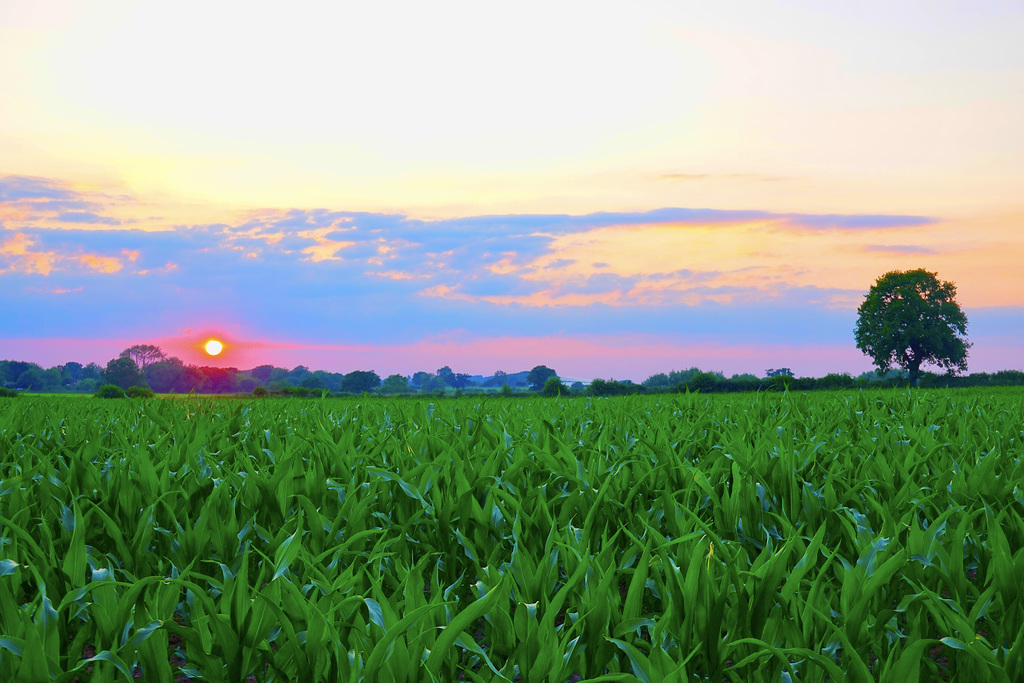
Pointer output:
x,y
871,536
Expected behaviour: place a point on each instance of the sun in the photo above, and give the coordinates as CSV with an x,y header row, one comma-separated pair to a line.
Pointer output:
x,y
213,347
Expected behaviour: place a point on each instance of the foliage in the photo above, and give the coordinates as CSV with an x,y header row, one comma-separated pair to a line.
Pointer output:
x,y
32,379
554,387
456,380
539,375
144,355
836,381
313,382
7,393
841,536
123,372
360,381
611,387
703,381
139,392
395,384
109,391
911,318
657,381
260,392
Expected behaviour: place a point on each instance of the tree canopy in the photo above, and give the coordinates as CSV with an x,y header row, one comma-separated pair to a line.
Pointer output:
x,y
143,355
539,375
123,372
910,318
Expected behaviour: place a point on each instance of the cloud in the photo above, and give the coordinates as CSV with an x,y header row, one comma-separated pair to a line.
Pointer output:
x,y
325,248
29,254
686,176
756,177
16,188
86,217
28,201
370,278
899,249
539,260
17,255
855,221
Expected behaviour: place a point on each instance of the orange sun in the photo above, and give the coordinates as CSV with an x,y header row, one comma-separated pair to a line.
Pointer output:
x,y
213,347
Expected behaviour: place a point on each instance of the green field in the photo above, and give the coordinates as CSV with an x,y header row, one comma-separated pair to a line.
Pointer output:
x,y
873,536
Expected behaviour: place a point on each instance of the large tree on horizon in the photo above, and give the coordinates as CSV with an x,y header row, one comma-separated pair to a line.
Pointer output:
x,y
143,355
911,318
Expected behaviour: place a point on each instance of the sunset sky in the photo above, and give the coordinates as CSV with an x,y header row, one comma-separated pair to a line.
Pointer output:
x,y
610,189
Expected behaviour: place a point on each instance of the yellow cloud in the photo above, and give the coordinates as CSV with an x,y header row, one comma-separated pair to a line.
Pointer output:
x,y
101,264
22,258
17,249
325,249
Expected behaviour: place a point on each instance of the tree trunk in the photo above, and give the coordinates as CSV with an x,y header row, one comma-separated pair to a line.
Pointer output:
x,y
915,371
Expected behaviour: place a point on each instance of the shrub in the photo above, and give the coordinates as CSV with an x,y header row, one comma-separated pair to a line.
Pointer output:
x,y
7,393
109,391
553,387
703,382
139,392
260,392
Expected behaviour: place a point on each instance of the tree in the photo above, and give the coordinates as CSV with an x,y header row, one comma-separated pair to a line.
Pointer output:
x,y
143,355
13,369
657,381
312,382
92,371
31,379
499,378
447,376
778,372
70,372
167,376
432,384
123,372
261,373
360,381
395,384
539,375
554,387
910,318
418,378
298,373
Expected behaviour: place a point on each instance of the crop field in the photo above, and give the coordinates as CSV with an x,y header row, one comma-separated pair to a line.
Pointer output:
x,y
872,536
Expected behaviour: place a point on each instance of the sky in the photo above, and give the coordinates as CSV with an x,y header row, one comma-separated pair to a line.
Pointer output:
x,y
609,189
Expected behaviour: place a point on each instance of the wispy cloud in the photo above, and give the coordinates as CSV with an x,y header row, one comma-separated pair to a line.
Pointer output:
x,y
86,217
29,201
899,249
856,221
372,277
753,177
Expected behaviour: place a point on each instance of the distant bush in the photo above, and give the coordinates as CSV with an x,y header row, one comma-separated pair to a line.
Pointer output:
x,y
301,392
139,392
610,387
553,387
704,382
7,393
835,380
109,391
260,392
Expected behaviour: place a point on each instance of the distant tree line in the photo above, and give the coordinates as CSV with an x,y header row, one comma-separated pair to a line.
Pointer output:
x,y
145,368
